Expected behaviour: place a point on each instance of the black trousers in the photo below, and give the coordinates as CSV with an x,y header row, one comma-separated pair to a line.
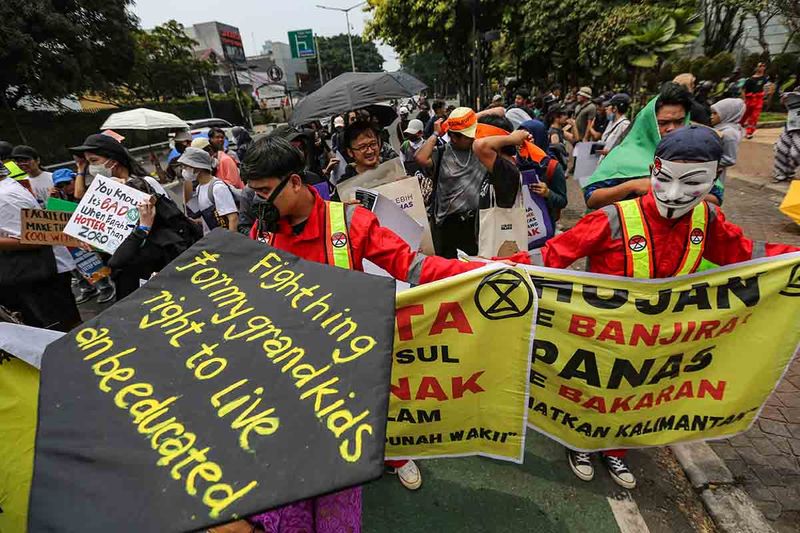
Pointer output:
x,y
48,303
456,232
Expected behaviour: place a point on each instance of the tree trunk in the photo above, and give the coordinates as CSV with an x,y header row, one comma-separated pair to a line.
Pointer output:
x,y
761,22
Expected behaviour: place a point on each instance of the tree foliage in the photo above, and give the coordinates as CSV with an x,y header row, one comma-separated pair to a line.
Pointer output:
x,y
428,67
51,49
445,26
648,45
164,66
335,54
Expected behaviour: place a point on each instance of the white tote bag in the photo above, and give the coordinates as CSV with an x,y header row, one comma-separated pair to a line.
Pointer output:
x,y
499,225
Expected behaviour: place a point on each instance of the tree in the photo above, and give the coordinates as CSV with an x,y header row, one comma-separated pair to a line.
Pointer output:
x,y
789,10
419,26
763,12
428,67
649,45
599,46
164,66
335,55
724,24
52,49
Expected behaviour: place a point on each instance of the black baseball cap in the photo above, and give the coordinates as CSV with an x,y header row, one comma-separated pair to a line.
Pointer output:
x,y
22,151
103,145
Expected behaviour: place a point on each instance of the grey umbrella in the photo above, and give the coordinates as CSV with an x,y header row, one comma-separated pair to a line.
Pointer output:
x,y
354,90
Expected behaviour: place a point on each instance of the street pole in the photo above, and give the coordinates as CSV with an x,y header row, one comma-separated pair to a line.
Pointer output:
x,y
349,35
235,81
319,61
350,40
208,100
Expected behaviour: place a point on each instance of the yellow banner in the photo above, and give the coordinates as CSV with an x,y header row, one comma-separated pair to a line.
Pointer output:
x,y
19,391
461,362
623,363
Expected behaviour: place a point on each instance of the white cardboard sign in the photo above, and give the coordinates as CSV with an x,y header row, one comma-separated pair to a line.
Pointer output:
x,y
106,215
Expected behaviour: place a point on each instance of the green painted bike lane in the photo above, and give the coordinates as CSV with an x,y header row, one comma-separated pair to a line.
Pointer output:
x,y
475,494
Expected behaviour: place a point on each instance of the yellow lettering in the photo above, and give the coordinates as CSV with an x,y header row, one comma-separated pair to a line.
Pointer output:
x,y
218,504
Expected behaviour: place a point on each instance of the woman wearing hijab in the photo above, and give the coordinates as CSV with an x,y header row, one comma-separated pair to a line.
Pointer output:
x,y
725,117
552,185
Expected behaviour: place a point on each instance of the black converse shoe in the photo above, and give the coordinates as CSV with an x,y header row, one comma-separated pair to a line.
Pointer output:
x,y
619,472
581,464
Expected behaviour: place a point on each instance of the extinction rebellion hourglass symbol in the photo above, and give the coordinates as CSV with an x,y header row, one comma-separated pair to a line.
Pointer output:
x,y
637,243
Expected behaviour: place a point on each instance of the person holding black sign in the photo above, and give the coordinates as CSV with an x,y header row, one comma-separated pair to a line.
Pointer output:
x,y
296,219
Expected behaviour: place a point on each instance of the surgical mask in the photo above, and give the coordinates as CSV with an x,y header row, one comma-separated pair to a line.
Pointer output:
x,y
612,117
101,169
679,187
189,174
268,214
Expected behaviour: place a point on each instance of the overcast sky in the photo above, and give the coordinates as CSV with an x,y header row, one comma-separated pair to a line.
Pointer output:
x,y
262,20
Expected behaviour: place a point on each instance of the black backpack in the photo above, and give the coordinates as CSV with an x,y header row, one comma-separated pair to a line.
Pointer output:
x,y
169,215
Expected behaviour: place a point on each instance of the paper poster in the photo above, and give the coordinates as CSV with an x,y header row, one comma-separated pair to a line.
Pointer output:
x,y
392,216
89,265
407,194
585,162
106,215
40,226
239,379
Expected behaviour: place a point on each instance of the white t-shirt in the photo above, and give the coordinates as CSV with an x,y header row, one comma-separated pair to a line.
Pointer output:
x,y
223,199
13,198
41,185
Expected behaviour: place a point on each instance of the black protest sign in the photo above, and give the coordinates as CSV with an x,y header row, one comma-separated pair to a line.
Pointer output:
x,y
239,379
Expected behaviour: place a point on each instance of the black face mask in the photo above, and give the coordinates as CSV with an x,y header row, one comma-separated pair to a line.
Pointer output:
x,y
268,215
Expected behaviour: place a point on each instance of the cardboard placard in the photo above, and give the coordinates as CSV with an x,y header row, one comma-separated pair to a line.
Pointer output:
x,y
106,215
239,379
386,172
407,194
39,226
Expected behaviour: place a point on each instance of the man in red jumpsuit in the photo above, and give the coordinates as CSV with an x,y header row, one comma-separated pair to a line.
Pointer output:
x,y
294,218
665,233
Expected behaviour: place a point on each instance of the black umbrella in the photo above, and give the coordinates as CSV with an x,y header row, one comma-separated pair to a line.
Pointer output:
x,y
384,113
354,90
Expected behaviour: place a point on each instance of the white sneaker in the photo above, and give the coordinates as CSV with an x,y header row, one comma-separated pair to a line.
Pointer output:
x,y
581,464
619,472
409,475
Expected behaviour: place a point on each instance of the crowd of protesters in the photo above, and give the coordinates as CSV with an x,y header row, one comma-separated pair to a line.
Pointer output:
x,y
276,188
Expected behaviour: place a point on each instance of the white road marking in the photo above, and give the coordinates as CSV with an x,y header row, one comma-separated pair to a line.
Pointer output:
x,y
627,514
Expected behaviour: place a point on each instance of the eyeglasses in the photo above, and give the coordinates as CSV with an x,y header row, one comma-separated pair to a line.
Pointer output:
x,y
369,147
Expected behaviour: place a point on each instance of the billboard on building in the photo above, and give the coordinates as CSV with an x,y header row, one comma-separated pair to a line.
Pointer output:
x,y
232,46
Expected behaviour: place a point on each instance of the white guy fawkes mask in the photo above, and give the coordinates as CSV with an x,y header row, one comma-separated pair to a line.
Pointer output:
x,y
679,187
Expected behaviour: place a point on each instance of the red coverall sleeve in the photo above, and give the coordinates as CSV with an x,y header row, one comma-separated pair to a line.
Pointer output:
x,y
589,236
387,250
727,244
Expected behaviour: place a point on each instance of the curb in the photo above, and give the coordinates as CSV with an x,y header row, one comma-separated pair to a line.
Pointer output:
x,y
763,183
771,124
731,508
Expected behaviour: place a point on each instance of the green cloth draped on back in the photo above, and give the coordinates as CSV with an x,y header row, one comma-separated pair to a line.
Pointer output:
x,y
633,156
